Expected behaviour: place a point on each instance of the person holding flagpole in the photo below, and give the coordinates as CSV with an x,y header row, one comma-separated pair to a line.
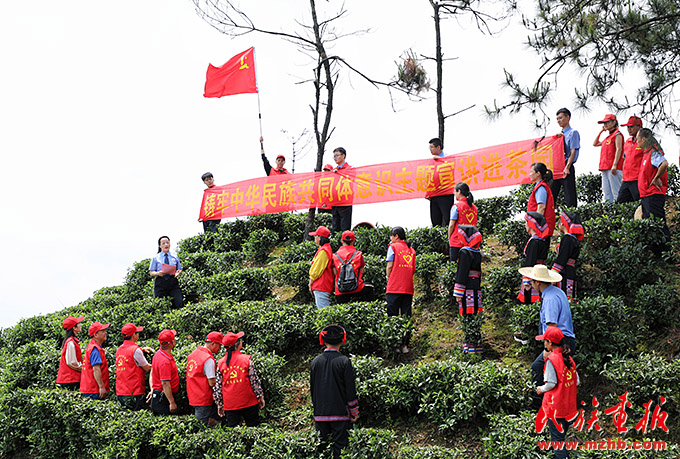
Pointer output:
x,y
280,162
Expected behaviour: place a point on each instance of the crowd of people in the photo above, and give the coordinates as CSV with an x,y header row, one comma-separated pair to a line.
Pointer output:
x,y
229,391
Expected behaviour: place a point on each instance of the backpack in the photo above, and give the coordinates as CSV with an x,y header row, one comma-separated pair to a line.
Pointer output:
x,y
347,278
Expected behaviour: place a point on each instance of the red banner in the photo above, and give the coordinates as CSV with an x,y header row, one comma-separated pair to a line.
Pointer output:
x,y
491,167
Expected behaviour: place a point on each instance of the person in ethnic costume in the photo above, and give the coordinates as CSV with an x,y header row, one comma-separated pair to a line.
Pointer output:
x,y
567,252
535,252
468,290
333,388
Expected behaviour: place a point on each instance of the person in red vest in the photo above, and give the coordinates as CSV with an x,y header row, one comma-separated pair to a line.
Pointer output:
x,y
401,265
541,198
237,392
653,183
559,390
131,369
210,225
348,253
164,375
611,157
280,162
94,381
201,369
464,212
631,166
71,361
321,276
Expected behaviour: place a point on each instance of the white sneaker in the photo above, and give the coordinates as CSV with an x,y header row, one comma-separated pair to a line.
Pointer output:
x,y
404,349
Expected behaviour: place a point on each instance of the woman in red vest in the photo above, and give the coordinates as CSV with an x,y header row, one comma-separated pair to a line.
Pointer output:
x,y
653,183
401,265
321,277
238,392
611,157
464,212
559,390
347,253
71,362
541,198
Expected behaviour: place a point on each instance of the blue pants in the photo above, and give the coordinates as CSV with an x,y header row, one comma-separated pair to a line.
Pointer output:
x,y
611,184
323,299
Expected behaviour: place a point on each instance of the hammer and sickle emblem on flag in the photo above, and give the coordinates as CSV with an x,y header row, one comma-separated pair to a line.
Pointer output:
x,y
243,63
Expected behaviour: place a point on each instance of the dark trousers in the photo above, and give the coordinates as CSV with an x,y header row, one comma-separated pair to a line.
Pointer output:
x,y
654,205
168,286
250,414
440,210
159,402
132,402
335,433
453,254
70,386
365,294
398,303
556,435
342,218
569,185
628,192
210,225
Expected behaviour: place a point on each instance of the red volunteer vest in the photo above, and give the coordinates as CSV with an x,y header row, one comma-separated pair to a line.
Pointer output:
x,y
237,392
467,215
274,171
563,396
647,173
631,166
163,359
198,389
67,374
88,385
325,282
608,152
549,206
345,252
129,376
401,277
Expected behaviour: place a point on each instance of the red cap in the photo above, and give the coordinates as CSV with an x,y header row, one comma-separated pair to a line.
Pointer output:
x,y
214,337
165,336
348,236
231,338
95,327
130,329
281,156
327,167
552,334
71,322
633,121
607,117
321,231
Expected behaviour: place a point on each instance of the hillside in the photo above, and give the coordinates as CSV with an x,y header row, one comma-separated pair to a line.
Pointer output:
x,y
434,402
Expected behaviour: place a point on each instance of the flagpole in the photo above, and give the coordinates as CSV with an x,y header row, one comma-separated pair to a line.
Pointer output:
x,y
259,111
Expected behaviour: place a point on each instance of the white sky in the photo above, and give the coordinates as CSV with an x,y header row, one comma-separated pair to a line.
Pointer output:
x,y
104,130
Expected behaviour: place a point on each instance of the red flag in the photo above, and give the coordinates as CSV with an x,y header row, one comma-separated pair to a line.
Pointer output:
x,y
237,76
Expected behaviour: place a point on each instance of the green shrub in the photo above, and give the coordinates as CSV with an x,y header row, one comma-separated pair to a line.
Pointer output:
x,y
673,180
210,263
299,252
138,281
501,284
657,305
430,452
645,377
513,436
370,444
239,285
373,241
428,240
592,210
512,233
447,280
33,364
374,273
428,268
369,329
520,197
491,211
294,227
260,243
588,188
295,275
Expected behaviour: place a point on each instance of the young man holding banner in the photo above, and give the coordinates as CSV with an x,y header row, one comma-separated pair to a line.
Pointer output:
x,y
440,206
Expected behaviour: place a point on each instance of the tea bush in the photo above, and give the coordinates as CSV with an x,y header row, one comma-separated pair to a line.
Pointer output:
x,y
428,267
491,211
374,273
238,285
513,436
295,275
299,252
373,241
259,244
513,234
428,240
210,263
588,188
657,305
520,197
500,285
370,444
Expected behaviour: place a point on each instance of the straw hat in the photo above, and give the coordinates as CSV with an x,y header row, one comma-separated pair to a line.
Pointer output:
x,y
541,273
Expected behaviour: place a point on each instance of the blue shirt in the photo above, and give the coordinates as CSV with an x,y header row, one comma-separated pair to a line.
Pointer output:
x,y
95,357
159,259
572,141
390,254
555,309
454,212
541,195
657,158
